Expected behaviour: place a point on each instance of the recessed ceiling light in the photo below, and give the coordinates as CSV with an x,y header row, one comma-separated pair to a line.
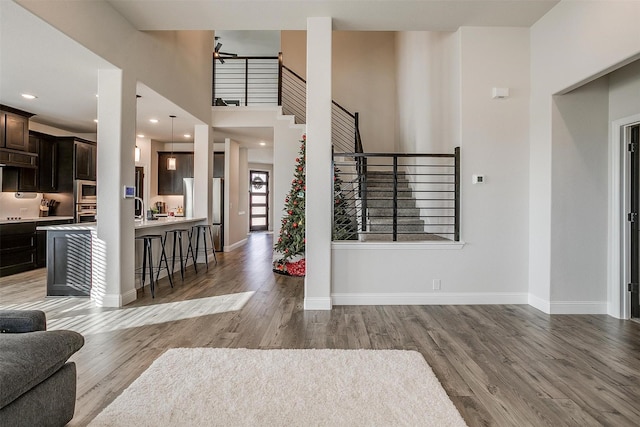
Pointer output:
x,y
28,96
140,135
95,120
263,143
153,120
97,96
186,135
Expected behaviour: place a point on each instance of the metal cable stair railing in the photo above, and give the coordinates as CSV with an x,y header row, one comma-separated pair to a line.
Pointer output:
x,y
378,196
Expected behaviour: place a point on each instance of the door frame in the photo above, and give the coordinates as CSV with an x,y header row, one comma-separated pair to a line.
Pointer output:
x,y
619,262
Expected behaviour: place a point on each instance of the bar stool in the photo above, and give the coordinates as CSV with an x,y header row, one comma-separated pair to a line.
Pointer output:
x,y
202,230
177,238
147,242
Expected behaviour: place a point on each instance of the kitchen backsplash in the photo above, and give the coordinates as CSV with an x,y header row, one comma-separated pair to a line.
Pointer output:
x,y
26,207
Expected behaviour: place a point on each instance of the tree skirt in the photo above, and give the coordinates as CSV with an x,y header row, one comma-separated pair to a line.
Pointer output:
x,y
298,268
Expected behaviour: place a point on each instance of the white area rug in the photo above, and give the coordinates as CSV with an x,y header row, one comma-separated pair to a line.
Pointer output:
x,y
238,387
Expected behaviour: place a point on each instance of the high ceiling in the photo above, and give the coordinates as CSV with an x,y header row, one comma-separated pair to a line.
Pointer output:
x,y
359,15
35,58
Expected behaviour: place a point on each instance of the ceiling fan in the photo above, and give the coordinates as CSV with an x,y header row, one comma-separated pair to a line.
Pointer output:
x,y
220,55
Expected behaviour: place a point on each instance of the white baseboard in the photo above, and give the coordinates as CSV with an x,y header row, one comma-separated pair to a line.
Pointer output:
x,y
114,300
235,246
429,298
579,307
539,303
568,307
311,303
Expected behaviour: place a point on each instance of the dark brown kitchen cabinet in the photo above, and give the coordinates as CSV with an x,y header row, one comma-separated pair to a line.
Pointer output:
x,y
85,160
14,129
20,179
17,248
47,161
170,181
41,240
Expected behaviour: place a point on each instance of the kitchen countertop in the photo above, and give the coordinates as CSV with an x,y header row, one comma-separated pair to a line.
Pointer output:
x,y
35,219
139,224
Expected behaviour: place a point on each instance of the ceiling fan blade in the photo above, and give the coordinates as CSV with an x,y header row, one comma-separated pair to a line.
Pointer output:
x,y
221,60
218,46
228,54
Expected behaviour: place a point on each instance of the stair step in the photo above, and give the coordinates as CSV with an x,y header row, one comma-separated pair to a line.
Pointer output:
x,y
388,212
388,203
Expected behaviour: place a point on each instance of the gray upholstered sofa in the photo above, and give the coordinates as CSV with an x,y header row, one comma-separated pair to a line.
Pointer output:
x,y
37,384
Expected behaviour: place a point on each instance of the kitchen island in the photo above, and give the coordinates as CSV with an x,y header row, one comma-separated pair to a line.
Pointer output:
x,y
73,254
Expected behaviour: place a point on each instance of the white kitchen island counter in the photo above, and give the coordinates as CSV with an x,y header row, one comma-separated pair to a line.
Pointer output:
x,y
165,222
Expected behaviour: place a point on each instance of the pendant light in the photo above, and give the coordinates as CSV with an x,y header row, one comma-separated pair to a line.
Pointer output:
x,y
171,161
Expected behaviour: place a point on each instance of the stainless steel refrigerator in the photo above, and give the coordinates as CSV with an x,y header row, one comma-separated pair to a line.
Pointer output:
x,y
218,213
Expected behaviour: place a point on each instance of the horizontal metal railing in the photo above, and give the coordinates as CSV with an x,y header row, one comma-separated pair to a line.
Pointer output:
x,y
246,81
397,197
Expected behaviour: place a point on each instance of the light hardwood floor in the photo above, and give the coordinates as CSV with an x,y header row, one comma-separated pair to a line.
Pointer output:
x,y
501,365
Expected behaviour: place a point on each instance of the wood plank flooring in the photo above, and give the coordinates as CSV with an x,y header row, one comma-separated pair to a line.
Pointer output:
x,y
501,365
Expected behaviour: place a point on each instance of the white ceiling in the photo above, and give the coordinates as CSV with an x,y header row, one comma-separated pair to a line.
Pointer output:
x,y
36,58
360,15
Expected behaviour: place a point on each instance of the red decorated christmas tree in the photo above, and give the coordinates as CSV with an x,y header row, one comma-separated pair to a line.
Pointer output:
x,y
290,245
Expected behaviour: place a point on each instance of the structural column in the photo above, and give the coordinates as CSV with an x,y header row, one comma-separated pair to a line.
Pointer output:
x,y
317,294
202,171
113,247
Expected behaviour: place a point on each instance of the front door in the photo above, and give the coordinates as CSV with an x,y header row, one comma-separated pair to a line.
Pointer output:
x,y
633,217
259,200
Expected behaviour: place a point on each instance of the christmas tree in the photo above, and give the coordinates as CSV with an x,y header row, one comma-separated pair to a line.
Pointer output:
x,y
291,241
344,224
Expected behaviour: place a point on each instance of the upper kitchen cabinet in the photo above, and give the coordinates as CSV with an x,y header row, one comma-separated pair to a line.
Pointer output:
x,y
14,129
48,161
170,181
85,160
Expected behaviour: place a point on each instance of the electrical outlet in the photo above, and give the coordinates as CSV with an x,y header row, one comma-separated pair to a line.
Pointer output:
x,y
436,284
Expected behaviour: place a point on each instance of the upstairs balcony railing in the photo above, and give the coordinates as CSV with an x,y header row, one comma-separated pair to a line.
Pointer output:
x,y
265,80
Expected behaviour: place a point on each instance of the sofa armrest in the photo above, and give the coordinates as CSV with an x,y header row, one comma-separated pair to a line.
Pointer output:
x,y
19,321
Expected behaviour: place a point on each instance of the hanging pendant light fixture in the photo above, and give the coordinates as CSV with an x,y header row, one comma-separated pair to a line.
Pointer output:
x,y
171,161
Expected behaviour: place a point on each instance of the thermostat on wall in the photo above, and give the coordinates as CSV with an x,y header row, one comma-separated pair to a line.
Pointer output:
x,y
478,179
129,192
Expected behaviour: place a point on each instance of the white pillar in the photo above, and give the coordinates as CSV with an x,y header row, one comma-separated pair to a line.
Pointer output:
x,y
113,275
317,294
203,171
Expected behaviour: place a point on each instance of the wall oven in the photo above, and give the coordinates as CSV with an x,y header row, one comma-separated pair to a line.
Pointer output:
x,y
86,212
86,191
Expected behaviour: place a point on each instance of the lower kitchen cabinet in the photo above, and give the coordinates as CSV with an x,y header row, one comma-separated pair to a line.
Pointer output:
x,y
17,247
22,248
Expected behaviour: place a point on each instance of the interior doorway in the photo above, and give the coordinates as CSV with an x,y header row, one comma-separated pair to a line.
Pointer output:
x,y
632,136
258,200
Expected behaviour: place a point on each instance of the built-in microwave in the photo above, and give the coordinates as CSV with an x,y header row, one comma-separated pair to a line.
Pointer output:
x,y
86,191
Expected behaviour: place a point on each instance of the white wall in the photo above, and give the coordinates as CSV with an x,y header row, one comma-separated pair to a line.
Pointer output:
x,y
176,64
492,265
233,230
363,79
579,197
428,91
624,91
575,42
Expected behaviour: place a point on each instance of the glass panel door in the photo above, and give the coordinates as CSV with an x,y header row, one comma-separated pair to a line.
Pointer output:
x,y
258,200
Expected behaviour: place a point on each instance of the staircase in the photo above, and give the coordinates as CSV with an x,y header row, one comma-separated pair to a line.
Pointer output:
x,y
379,193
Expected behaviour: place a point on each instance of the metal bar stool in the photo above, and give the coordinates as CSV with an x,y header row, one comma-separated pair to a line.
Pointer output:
x,y
177,238
147,253
202,230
